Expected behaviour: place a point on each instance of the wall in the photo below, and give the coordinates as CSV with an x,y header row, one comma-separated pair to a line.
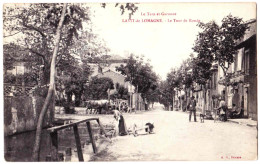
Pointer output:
x,y
21,113
252,80
116,78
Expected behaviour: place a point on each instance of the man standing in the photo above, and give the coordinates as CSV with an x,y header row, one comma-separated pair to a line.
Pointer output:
x,y
192,107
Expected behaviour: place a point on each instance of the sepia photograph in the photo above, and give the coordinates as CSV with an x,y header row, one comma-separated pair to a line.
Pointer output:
x,y
129,81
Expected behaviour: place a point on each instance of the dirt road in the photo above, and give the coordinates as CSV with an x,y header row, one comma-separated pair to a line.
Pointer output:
x,y
176,138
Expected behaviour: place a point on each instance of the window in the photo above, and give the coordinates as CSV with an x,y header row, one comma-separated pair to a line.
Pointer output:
x,y
239,59
246,64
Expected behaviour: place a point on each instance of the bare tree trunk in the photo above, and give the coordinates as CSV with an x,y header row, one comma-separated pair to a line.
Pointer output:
x,y
226,93
137,100
205,99
173,100
226,82
36,150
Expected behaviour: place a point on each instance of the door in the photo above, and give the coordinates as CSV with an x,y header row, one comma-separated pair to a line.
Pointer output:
x,y
246,102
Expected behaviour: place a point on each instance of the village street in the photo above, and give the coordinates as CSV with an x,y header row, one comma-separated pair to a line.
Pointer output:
x,y
176,138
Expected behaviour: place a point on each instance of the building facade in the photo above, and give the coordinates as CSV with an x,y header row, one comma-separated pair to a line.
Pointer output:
x,y
243,82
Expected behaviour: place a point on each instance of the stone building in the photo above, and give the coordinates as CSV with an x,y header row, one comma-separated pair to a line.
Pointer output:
x,y
243,83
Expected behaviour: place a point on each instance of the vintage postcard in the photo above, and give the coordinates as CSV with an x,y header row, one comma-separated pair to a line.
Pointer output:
x,y
130,81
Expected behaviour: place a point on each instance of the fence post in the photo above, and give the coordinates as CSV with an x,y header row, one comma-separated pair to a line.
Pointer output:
x,y
54,146
78,144
92,140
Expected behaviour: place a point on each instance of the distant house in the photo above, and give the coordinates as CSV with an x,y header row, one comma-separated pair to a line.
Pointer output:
x,y
116,78
107,68
19,62
17,59
108,64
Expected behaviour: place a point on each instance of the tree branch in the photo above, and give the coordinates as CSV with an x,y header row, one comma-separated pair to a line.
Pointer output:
x,y
12,34
37,53
58,61
33,28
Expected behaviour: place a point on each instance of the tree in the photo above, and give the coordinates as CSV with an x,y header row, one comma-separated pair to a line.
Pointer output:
x,y
180,79
73,80
218,43
139,74
174,82
166,94
152,96
51,87
121,92
36,26
201,70
45,28
98,88
130,7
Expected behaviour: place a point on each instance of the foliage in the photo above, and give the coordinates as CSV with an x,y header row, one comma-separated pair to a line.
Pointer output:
x,y
153,95
98,88
185,72
218,43
73,80
36,25
9,78
201,70
174,79
166,94
29,79
140,74
69,107
130,7
121,92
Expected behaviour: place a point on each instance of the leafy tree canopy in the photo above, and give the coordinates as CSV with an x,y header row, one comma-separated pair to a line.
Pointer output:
x,y
217,43
140,74
98,88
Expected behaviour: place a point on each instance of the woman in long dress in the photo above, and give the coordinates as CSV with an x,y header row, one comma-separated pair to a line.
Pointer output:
x,y
122,130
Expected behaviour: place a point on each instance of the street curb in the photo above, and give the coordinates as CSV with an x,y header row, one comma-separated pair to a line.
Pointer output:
x,y
245,124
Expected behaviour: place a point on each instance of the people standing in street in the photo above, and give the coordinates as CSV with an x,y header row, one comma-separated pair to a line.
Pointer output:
x,y
192,107
222,109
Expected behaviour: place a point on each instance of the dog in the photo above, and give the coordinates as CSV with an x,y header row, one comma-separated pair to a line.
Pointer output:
x,y
202,118
148,129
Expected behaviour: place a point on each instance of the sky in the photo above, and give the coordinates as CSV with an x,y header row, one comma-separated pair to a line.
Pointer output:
x,y
165,43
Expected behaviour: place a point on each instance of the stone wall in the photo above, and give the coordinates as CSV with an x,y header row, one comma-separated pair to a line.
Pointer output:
x,y
21,113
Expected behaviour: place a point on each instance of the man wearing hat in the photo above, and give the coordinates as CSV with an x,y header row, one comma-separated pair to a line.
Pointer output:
x,y
192,107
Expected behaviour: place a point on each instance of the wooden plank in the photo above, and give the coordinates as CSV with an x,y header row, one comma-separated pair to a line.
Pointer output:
x,y
54,146
92,140
78,144
142,128
56,128
101,127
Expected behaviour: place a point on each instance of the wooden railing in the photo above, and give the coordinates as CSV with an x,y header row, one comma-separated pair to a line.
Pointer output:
x,y
54,137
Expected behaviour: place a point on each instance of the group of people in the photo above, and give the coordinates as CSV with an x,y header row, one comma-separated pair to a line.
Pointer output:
x,y
222,110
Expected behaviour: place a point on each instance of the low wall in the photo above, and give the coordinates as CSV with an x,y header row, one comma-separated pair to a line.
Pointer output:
x,y
21,113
